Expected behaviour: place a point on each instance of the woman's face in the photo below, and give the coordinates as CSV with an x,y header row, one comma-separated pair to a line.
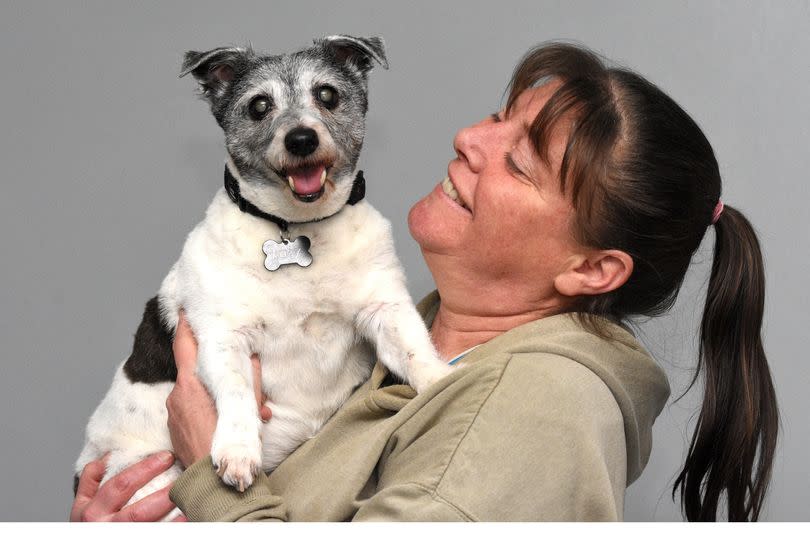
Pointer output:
x,y
510,224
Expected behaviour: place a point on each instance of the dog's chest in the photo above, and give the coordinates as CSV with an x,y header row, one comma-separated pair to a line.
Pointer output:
x,y
300,320
305,330
297,306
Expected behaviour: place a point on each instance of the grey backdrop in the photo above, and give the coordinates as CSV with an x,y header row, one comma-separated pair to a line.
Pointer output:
x,y
108,161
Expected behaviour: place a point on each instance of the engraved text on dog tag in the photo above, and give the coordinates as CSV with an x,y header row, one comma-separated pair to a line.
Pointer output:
x,y
287,252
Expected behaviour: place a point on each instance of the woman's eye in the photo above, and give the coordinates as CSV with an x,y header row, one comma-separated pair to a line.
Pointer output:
x,y
518,171
511,165
327,96
259,107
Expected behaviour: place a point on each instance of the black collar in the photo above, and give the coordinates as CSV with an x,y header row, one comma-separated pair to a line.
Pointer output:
x,y
232,187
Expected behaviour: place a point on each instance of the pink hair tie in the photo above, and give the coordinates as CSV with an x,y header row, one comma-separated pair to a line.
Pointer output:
x,y
717,211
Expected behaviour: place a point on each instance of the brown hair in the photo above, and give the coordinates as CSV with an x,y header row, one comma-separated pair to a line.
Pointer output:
x,y
643,179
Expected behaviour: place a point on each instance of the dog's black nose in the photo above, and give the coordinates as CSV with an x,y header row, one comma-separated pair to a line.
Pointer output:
x,y
301,141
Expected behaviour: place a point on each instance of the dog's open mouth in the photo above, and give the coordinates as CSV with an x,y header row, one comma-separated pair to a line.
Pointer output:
x,y
307,183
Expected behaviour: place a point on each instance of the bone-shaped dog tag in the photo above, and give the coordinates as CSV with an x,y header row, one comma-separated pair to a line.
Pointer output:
x,y
287,252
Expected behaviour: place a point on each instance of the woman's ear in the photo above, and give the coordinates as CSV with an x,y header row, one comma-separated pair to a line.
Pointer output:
x,y
597,272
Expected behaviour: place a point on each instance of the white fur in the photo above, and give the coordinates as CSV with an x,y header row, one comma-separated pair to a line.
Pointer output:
x,y
311,327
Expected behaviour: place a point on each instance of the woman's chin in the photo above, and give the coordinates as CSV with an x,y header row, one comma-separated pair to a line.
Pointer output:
x,y
431,229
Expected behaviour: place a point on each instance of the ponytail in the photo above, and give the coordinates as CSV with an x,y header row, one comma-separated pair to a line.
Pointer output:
x,y
643,178
733,446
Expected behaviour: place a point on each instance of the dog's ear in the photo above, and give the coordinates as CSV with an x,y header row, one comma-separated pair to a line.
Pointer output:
x,y
359,51
215,69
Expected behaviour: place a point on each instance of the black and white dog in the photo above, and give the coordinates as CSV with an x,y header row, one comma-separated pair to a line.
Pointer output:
x,y
289,263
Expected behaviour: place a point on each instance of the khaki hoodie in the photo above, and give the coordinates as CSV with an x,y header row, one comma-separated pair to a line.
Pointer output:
x,y
544,422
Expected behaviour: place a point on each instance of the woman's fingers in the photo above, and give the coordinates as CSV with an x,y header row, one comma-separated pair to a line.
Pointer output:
x,y
89,480
265,413
149,509
256,366
184,347
120,488
91,477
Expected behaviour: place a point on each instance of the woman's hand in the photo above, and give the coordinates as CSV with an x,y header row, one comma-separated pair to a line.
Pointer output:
x,y
192,414
105,504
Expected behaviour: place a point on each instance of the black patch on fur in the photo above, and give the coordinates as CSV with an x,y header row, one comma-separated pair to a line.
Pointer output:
x,y
75,484
152,359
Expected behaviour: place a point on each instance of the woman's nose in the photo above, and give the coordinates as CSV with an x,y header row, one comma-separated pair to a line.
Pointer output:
x,y
467,144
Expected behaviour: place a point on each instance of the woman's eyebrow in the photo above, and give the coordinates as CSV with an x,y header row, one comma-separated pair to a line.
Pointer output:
x,y
496,116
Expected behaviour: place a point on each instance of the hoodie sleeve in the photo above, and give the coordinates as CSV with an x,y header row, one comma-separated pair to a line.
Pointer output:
x,y
545,442
547,445
202,496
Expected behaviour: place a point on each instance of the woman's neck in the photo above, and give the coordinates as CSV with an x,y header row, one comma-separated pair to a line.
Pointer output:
x,y
475,309
455,331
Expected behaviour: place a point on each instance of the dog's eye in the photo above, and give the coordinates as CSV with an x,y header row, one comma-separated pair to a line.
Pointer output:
x,y
259,107
327,95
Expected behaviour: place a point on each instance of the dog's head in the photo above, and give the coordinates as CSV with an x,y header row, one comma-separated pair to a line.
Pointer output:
x,y
294,123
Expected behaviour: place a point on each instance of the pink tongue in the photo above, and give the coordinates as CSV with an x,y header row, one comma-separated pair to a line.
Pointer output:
x,y
307,180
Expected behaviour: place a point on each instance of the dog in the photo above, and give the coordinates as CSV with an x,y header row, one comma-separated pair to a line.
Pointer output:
x,y
290,262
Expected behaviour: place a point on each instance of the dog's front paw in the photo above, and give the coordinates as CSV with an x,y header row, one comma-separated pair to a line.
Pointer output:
x,y
237,463
424,374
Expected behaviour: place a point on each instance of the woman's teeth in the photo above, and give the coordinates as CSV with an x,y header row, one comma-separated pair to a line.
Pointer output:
x,y
450,190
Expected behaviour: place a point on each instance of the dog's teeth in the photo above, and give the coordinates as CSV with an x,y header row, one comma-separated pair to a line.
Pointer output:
x,y
323,177
292,183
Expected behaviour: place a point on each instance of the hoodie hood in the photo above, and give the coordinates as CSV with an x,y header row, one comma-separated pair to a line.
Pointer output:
x,y
637,383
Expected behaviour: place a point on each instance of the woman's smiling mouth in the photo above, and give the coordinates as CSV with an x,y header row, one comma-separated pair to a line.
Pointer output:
x,y
450,190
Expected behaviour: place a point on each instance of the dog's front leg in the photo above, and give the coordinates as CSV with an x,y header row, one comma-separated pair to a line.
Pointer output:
x,y
224,367
402,341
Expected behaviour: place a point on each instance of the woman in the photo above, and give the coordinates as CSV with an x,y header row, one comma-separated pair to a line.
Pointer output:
x,y
575,207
